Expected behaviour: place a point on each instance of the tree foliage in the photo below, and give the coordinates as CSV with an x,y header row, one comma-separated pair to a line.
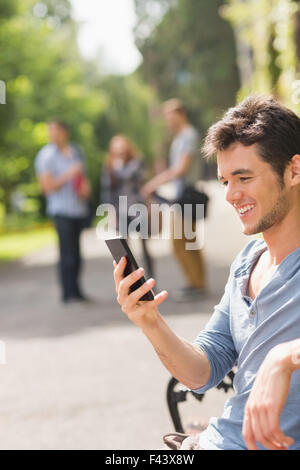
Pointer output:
x,y
129,104
189,53
268,32
41,68
46,78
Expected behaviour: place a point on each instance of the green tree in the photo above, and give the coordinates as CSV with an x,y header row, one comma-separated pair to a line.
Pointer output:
x,y
7,8
190,53
45,78
130,104
270,31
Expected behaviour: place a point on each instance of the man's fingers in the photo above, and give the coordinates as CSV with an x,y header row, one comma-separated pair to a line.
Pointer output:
x,y
260,429
248,434
134,298
119,271
136,295
123,285
161,297
127,282
268,440
130,302
256,429
277,434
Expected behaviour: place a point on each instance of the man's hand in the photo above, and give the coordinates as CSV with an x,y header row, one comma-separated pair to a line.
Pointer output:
x,y
74,171
148,189
266,401
141,313
84,190
170,174
50,183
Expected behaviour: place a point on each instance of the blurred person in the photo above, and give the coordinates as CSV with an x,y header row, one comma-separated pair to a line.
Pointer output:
x,y
60,168
185,168
256,324
122,175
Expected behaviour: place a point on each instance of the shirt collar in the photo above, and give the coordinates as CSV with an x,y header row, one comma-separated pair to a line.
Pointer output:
x,y
286,268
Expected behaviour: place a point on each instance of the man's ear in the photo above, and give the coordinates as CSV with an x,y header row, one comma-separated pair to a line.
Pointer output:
x,y
295,170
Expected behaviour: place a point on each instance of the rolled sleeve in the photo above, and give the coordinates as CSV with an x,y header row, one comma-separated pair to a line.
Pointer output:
x,y
217,343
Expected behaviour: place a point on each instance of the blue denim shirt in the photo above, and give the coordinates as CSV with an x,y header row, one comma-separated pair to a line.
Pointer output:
x,y
63,202
242,332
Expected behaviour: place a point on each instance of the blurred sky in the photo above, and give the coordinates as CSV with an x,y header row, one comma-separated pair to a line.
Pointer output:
x,y
106,33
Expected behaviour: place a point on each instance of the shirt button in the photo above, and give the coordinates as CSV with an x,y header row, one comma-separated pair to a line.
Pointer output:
x,y
252,313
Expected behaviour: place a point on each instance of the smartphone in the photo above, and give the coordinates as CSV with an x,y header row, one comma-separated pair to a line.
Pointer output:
x,y
118,247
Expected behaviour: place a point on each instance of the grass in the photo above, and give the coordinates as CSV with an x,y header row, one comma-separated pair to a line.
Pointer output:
x,y
16,245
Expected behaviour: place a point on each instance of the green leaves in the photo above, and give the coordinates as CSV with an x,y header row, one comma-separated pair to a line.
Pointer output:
x,y
191,53
7,8
268,34
46,78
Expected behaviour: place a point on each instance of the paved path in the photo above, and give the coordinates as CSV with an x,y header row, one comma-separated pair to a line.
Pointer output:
x,y
85,377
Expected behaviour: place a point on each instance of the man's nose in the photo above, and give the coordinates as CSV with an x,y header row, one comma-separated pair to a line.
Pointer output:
x,y
233,194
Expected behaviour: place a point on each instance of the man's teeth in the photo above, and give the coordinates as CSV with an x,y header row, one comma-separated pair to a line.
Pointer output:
x,y
245,209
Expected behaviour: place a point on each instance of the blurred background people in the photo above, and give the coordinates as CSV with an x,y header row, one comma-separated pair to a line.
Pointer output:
x,y
60,168
184,168
122,175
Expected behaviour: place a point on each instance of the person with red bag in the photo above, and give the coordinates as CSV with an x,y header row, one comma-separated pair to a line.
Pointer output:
x,y
61,173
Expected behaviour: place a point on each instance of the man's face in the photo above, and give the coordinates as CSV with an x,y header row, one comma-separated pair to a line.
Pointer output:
x,y
253,188
173,120
57,134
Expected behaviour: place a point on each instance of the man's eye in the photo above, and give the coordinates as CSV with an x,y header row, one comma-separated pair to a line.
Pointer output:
x,y
244,178
225,183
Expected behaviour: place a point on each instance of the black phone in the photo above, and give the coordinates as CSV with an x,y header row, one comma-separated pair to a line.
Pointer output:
x,y
118,247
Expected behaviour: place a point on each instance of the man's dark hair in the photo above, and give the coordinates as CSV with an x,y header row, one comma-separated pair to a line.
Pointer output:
x,y
260,120
61,124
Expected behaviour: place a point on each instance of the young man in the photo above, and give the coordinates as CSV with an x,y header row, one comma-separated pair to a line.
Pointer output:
x,y
60,169
184,169
256,324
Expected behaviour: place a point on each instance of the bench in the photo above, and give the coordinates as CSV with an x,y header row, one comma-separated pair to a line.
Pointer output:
x,y
177,393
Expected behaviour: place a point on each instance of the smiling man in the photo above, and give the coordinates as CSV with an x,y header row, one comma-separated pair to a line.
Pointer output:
x,y
253,180
256,324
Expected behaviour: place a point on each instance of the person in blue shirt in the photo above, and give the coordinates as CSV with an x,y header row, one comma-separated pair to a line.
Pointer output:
x,y
60,169
256,325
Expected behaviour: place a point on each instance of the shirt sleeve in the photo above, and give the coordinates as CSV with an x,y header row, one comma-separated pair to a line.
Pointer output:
x,y
189,144
80,156
43,162
105,186
216,341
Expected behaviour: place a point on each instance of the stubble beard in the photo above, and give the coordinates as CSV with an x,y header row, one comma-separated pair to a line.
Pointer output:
x,y
273,217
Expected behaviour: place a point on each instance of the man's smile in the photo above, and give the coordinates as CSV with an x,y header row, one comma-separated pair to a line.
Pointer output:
x,y
245,210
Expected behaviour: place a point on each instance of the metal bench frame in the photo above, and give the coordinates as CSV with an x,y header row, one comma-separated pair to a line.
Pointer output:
x,y
174,397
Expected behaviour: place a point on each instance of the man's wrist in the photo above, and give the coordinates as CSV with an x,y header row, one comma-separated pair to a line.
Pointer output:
x,y
150,322
152,186
294,355
288,355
